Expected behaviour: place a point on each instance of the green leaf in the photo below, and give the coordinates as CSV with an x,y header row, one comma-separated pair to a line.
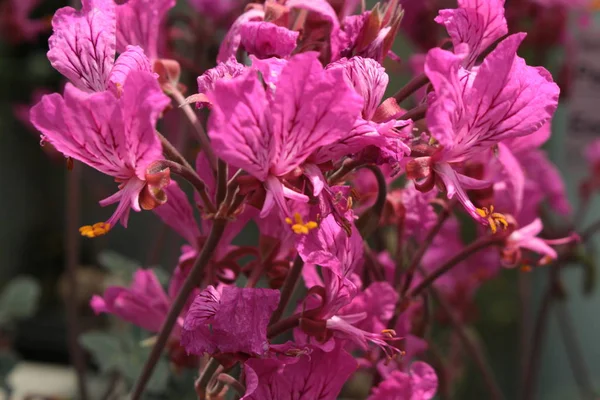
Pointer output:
x,y
118,264
105,348
19,299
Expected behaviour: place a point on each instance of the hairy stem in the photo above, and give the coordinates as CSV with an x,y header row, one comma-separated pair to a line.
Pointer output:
x,y
287,289
191,281
200,133
72,240
471,346
412,86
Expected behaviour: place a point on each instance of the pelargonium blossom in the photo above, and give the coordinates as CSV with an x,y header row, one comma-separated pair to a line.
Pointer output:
x,y
114,135
273,135
83,47
232,321
503,98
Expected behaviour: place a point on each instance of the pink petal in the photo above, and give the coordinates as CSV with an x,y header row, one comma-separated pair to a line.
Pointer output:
x,y
178,214
133,59
265,39
311,108
82,47
478,23
240,123
233,38
139,23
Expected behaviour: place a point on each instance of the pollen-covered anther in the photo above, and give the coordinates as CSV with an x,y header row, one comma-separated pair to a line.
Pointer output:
x,y
299,226
389,333
494,219
92,231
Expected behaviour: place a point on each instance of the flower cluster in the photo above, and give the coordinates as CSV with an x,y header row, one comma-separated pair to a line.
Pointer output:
x,y
359,202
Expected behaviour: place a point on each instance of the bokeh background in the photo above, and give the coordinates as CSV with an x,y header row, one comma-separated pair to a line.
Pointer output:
x,y
33,211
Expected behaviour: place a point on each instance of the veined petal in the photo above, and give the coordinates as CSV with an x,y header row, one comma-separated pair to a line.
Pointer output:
x,y
454,187
514,176
477,23
139,23
82,47
240,124
231,41
133,59
311,108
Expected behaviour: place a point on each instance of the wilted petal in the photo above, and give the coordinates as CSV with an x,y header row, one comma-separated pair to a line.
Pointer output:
x,y
478,23
318,375
82,47
236,321
265,39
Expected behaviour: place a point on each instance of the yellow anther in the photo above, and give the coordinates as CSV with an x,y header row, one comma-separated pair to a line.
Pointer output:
x,y
494,219
526,268
92,231
299,226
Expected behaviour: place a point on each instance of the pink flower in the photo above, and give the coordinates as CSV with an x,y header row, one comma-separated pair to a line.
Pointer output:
x,y
273,136
473,111
419,384
15,23
139,22
229,322
317,375
144,304
265,39
477,23
526,238
113,135
83,46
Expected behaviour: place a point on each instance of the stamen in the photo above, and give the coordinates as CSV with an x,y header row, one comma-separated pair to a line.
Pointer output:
x,y
389,333
92,231
299,226
494,219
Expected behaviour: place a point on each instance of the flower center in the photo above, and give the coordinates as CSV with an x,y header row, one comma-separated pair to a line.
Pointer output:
x,y
299,226
92,231
494,219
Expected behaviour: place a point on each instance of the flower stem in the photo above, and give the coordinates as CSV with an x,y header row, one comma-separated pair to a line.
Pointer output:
x,y
369,220
192,177
191,281
283,325
287,289
418,256
415,114
232,383
470,346
73,209
200,133
412,86
207,373
467,251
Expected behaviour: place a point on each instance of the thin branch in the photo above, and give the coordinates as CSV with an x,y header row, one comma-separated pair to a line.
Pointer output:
x,y
470,346
415,114
291,280
418,256
207,373
467,251
200,133
411,87
283,325
72,241
171,152
232,383
369,220
190,282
